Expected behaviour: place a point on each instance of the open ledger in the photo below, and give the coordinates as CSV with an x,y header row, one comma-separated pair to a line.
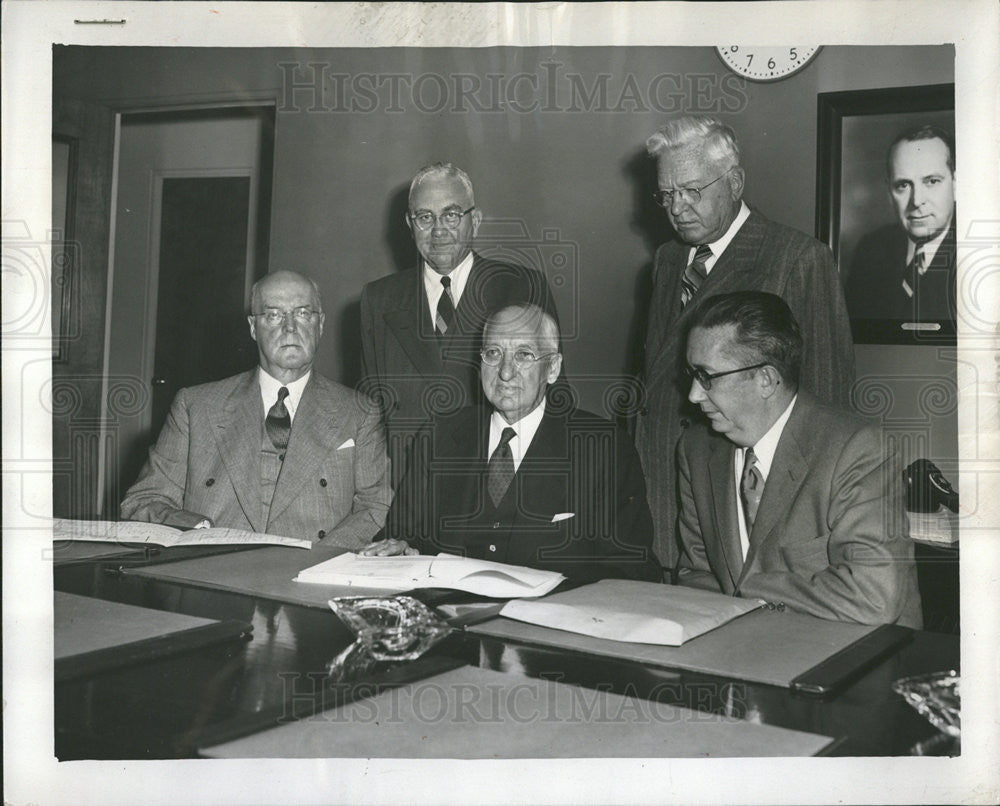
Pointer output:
x,y
157,534
637,612
402,573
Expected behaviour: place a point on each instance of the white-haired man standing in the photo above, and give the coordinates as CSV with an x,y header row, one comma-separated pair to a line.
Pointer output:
x,y
721,245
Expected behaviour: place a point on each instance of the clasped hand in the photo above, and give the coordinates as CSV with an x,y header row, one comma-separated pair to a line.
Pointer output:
x,y
388,548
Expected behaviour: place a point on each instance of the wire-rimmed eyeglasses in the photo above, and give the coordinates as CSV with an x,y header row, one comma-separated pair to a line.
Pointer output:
x,y
450,219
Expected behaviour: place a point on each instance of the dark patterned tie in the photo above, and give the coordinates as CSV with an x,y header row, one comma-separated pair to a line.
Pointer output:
x,y
913,271
751,488
446,309
279,423
500,471
694,274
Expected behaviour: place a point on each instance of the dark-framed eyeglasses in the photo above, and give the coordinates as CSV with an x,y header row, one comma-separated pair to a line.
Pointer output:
x,y
273,317
665,198
705,378
523,357
450,219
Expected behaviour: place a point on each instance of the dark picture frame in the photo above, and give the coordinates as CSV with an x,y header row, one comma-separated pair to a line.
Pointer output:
x,y
65,154
854,131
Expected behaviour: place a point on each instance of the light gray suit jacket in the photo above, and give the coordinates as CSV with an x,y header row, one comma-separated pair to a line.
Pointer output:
x,y
764,256
830,537
334,483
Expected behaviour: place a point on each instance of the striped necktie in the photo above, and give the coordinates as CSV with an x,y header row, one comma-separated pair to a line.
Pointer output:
x,y
446,309
694,274
913,271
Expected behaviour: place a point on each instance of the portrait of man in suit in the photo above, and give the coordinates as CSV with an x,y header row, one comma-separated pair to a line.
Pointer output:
x,y
279,449
720,244
421,327
906,270
784,498
518,482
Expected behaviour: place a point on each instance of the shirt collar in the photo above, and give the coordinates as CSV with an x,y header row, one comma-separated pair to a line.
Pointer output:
x,y
459,276
767,445
719,246
525,429
269,386
930,247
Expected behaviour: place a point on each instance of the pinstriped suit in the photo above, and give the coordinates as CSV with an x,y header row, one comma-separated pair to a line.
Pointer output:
x,y
830,536
763,256
206,461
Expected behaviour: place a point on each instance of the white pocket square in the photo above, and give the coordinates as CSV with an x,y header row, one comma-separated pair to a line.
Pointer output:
x,y
562,516
348,444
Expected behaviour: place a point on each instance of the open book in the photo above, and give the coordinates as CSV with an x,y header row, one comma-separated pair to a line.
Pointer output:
x,y
159,535
637,612
402,573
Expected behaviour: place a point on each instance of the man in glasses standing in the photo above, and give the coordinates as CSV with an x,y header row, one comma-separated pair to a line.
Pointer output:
x,y
720,245
421,328
518,482
279,449
783,498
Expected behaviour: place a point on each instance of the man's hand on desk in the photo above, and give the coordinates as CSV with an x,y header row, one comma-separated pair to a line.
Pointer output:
x,y
388,548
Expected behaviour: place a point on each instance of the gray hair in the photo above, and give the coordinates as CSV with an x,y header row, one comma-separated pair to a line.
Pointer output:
x,y
255,288
718,139
535,320
442,170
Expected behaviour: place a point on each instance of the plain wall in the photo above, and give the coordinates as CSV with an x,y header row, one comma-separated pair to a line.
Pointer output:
x,y
573,182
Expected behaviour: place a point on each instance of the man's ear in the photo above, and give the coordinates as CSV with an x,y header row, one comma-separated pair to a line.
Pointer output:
x,y
737,179
768,380
477,219
253,327
322,321
555,365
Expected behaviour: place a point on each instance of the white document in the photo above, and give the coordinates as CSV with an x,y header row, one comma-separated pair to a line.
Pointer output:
x,y
636,612
159,535
402,573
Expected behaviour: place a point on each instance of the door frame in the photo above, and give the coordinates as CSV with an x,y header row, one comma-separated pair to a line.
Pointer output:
x,y
149,335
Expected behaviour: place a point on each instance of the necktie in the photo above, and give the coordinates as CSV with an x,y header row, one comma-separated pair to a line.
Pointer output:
x,y
694,274
751,488
500,471
913,271
446,308
279,423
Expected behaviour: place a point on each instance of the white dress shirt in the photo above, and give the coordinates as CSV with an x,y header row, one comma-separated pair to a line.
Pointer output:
x,y
764,451
432,283
929,248
525,429
719,246
269,387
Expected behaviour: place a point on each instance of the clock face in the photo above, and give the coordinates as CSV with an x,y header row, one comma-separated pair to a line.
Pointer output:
x,y
766,64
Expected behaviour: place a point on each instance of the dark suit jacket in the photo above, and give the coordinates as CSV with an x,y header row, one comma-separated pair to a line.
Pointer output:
x,y
413,374
333,485
763,256
578,466
874,285
830,537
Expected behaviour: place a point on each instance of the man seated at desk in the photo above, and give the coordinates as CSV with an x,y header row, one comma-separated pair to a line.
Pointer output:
x,y
518,482
279,449
785,499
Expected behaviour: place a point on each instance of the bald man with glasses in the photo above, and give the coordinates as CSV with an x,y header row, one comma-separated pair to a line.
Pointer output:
x,y
421,328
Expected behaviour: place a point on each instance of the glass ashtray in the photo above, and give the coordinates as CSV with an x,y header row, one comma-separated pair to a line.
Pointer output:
x,y
391,627
936,697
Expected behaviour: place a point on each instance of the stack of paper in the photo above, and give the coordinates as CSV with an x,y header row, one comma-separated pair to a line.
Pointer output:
x,y
403,573
637,612
159,535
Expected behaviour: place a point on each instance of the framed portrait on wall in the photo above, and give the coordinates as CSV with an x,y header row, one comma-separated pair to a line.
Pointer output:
x,y
890,217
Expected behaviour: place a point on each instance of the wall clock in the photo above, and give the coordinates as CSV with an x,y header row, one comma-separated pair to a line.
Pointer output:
x,y
766,63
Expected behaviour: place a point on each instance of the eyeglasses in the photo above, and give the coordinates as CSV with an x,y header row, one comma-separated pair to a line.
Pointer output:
x,y
273,317
523,358
705,378
449,219
665,198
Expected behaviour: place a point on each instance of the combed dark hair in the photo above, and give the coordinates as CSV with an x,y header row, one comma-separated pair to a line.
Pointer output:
x,y
925,132
766,330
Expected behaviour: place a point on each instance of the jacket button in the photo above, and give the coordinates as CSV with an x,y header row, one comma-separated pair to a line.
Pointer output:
x,y
322,482
643,411
281,457
493,548
496,525
209,482
321,534
685,422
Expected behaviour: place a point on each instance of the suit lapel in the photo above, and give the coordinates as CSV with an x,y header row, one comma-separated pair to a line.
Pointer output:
x,y
315,433
237,428
723,489
404,322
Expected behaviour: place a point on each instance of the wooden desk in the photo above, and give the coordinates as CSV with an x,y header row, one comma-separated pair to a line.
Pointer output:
x,y
169,707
